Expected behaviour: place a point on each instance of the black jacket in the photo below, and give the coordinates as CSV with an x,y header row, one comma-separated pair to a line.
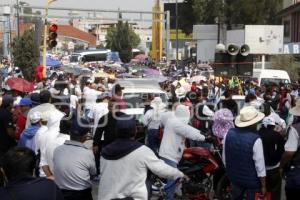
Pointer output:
x,y
31,188
273,144
107,129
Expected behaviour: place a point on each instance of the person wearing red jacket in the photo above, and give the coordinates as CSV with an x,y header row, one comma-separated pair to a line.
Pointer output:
x,y
25,105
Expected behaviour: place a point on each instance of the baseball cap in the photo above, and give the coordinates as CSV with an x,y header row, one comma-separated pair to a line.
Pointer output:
x,y
35,117
35,98
25,102
268,121
80,127
45,96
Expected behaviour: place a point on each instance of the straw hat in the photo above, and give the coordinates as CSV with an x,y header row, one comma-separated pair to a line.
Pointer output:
x,y
296,110
248,116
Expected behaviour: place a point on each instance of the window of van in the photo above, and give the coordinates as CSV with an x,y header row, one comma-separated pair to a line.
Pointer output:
x,y
94,57
137,100
271,81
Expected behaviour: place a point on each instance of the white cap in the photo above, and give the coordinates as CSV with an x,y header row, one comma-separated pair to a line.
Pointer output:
x,y
35,117
268,121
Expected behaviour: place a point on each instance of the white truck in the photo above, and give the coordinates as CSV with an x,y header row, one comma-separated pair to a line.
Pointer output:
x,y
272,76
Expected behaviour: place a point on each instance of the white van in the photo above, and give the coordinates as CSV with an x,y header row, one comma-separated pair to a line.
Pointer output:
x,y
89,56
272,76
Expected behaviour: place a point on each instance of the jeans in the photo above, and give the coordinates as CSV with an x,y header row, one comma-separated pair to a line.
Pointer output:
x,y
274,180
292,186
152,140
77,195
239,192
171,184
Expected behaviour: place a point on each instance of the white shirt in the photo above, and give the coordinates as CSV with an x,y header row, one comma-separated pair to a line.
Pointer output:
x,y
175,134
258,157
91,96
97,111
152,120
43,108
128,174
52,145
293,142
73,101
40,134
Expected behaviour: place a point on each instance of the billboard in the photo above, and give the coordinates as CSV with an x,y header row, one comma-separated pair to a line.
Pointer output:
x,y
264,39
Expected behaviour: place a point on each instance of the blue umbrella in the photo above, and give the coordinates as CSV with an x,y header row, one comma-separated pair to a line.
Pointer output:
x,y
50,62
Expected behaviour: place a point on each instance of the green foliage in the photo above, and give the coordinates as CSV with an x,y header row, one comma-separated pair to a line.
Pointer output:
x,y
78,47
26,54
122,39
287,63
233,12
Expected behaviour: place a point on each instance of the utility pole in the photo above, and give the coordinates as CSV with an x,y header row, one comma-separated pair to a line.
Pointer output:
x,y
18,19
176,11
45,36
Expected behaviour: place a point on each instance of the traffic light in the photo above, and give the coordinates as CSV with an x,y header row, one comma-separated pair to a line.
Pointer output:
x,y
52,36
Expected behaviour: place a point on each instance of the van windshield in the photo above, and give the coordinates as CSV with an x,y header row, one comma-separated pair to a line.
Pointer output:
x,y
74,58
137,100
94,57
273,81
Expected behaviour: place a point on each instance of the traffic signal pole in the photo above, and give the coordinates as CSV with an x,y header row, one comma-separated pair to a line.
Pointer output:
x,y
45,36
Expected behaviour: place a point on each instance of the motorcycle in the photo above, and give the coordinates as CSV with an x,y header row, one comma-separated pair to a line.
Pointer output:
x,y
206,171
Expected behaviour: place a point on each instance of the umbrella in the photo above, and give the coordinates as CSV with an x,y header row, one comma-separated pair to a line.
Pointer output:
x,y
50,62
198,79
151,72
20,84
101,74
140,57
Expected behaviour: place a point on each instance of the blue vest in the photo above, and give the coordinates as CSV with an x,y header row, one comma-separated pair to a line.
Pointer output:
x,y
240,165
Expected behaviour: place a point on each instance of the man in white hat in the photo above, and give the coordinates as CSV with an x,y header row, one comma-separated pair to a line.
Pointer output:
x,y
291,158
243,155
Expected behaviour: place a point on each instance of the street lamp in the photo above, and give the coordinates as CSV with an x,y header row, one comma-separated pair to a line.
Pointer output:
x,y
45,35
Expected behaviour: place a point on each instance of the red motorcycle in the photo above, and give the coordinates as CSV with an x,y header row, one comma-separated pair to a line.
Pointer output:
x,y
206,171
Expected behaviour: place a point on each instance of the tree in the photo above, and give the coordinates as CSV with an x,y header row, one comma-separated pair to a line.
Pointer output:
x,y
233,12
26,54
287,63
122,39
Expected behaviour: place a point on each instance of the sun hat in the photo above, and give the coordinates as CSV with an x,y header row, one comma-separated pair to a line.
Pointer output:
x,y
296,110
268,121
25,102
182,113
223,121
248,116
35,117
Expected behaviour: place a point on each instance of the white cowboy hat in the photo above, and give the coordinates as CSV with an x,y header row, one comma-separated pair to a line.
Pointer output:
x,y
248,116
296,110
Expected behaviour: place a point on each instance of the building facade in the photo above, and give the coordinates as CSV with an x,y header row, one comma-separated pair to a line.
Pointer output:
x,y
290,18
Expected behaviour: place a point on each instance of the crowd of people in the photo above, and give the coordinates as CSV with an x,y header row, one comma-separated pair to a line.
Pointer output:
x,y
69,132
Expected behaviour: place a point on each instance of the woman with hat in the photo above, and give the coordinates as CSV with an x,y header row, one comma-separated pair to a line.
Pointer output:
x,y
152,121
223,121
